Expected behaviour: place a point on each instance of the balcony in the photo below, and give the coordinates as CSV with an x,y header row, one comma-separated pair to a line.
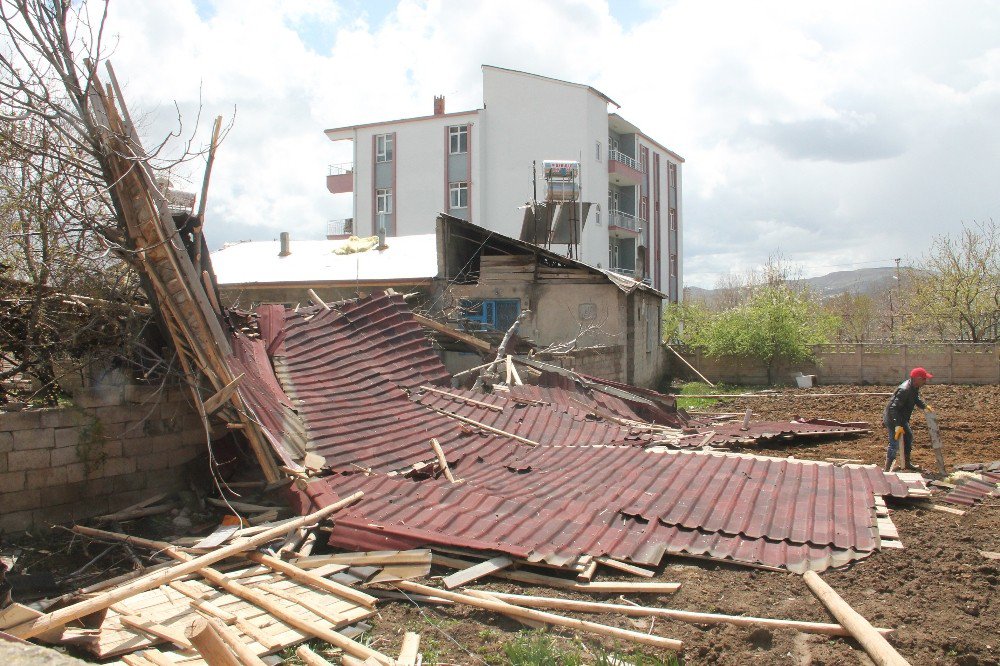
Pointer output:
x,y
628,272
624,170
340,228
627,226
340,178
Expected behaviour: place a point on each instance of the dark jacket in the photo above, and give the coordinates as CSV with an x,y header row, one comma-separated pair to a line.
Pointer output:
x,y
900,407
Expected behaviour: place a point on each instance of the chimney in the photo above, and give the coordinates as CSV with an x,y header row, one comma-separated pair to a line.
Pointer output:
x,y
438,105
381,238
286,244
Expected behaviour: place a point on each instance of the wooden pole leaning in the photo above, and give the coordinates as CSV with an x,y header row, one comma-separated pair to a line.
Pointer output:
x,y
104,600
877,647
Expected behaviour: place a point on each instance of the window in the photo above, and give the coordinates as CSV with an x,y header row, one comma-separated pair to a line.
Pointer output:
x,y
383,201
673,265
383,147
644,208
672,184
672,219
458,139
498,314
597,150
597,214
613,202
458,195
643,159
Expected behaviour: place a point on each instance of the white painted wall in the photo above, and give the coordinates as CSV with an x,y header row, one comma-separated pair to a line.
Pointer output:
x,y
531,118
420,155
525,118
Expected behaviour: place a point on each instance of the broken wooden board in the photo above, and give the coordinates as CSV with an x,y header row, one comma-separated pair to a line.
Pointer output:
x,y
168,608
477,571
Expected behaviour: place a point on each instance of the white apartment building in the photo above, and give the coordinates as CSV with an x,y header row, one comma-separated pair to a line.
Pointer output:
x,y
477,165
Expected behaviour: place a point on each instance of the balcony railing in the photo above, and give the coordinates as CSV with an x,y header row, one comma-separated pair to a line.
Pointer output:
x,y
340,227
619,156
340,169
630,272
616,218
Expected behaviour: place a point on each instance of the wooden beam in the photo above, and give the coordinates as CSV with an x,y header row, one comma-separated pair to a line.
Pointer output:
x,y
685,362
462,398
222,396
563,584
541,616
680,615
246,656
310,658
624,566
373,558
210,644
483,426
477,571
308,578
442,461
156,629
473,342
105,599
872,641
410,649
314,297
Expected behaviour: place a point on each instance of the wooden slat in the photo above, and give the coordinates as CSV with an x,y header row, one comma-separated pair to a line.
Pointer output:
x,y
477,571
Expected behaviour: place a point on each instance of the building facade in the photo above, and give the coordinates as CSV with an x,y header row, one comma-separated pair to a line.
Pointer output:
x,y
484,165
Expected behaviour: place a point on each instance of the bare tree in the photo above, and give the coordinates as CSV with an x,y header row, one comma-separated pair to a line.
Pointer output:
x,y
63,230
957,293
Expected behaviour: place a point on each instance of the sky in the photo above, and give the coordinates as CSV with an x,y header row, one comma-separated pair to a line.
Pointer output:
x,y
838,135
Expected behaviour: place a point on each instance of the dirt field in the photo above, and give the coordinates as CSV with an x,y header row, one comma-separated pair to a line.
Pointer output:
x,y
939,593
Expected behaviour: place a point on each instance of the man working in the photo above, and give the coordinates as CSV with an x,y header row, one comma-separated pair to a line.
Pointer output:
x,y
896,417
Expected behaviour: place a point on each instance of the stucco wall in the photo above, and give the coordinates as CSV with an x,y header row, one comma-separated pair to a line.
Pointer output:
x,y
113,448
419,156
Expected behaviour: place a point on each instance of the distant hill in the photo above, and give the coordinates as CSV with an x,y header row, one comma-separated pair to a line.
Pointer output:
x,y
861,281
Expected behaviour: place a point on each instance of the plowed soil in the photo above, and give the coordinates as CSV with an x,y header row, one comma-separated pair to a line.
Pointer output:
x,y
939,593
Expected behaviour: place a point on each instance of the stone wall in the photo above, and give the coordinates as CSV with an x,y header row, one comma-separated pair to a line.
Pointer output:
x,y
961,363
112,448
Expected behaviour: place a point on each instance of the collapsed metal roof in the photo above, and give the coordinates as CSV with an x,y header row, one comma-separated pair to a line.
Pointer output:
x,y
550,473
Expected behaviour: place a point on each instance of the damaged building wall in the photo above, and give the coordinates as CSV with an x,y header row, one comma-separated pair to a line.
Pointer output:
x,y
108,451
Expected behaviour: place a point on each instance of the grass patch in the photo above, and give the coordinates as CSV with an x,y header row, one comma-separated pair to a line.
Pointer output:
x,y
688,398
537,648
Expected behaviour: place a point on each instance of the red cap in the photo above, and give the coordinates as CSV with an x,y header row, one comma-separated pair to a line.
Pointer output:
x,y
921,373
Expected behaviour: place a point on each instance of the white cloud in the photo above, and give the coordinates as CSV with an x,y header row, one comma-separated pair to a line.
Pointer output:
x,y
840,133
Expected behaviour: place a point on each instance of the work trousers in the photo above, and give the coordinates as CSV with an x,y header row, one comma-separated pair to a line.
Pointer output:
x,y
890,453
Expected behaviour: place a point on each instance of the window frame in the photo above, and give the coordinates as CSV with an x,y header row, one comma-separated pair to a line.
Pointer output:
x,y
458,139
461,189
597,149
384,147
383,201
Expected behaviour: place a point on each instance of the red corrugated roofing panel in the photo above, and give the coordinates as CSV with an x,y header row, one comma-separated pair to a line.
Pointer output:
x,y
733,433
619,501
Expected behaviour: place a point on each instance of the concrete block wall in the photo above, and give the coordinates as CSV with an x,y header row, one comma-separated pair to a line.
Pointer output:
x,y
604,362
968,363
113,447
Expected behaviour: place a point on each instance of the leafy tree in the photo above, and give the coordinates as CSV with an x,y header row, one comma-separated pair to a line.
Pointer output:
x,y
957,294
776,323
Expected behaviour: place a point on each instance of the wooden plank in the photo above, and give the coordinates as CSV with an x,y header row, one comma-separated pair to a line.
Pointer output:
x,y
155,629
473,342
541,616
670,613
624,566
990,555
410,649
373,558
222,396
310,658
154,580
874,643
483,426
462,398
477,571
311,579
442,461
564,584
210,644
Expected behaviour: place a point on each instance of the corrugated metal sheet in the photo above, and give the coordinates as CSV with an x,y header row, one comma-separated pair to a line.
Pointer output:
x,y
733,433
555,504
972,490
